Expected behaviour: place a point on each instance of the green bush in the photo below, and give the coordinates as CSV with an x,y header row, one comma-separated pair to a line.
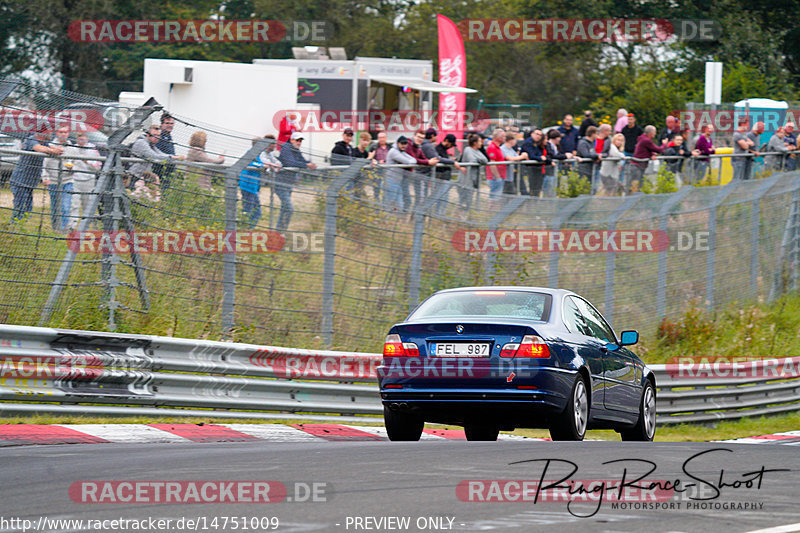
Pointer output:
x,y
574,186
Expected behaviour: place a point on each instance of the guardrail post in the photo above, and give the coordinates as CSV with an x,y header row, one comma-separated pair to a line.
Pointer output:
x,y
329,257
106,182
229,259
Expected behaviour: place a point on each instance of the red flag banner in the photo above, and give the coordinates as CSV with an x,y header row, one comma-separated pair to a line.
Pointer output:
x,y
452,71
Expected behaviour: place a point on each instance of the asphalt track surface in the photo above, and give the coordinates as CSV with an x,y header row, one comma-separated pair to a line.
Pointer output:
x,y
366,482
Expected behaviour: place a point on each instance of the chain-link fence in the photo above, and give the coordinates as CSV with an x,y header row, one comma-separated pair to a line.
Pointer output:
x,y
210,246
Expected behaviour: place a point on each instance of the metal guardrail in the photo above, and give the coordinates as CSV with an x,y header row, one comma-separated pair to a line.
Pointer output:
x,y
44,370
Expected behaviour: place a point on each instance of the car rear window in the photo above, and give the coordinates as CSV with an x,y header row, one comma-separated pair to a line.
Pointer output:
x,y
486,303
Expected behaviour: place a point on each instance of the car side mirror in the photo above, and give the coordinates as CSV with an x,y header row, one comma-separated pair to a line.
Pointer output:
x,y
627,338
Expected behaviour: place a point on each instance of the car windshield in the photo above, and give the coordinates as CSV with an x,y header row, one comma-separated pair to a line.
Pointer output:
x,y
486,303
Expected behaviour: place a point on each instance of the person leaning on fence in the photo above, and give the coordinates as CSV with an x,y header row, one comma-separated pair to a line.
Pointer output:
x,y
395,177
742,148
645,150
611,166
509,149
777,144
146,184
284,181
704,147
471,180
552,165
250,183
414,149
28,172
197,153
496,174
535,148
84,176
444,173
754,136
790,139
166,145
678,149
586,151
57,177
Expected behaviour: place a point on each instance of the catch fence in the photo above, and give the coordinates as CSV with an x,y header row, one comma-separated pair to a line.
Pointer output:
x,y
363,245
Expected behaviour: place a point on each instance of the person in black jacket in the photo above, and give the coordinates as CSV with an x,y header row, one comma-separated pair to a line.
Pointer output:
x,y
554,155
342,153
677,147
535,147
445,173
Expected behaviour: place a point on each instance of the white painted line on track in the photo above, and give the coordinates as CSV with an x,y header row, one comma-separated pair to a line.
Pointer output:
x,y
126,432
274,432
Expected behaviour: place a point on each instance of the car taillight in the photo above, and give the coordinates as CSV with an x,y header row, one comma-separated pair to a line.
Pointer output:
x,y
509,350
531,346
395,347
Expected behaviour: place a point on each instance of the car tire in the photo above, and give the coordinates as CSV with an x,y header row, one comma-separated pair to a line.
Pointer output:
x,y
645,428
481,432
402,426
571,423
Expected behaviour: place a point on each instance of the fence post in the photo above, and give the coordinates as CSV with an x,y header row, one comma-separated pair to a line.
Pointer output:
x,y
611,257
711,256
329,258
663,225
229,259
415,269
571,208
109,175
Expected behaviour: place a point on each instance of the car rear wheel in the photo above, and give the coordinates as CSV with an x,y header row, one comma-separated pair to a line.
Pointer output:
x,y
481,431
645,428
571,424
402,426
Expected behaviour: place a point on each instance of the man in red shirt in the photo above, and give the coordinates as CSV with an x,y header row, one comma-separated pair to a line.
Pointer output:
x,y
645,150
496,174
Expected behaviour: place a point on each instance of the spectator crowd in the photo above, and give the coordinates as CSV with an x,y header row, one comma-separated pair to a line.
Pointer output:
x,y
613,159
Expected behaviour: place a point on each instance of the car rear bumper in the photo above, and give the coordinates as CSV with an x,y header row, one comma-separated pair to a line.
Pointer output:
x,y
524,409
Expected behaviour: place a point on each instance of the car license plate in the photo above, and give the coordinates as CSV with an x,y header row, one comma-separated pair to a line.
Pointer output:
x,y
460,349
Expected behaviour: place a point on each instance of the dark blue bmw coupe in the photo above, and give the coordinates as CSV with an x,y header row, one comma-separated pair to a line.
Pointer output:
x,y
499,358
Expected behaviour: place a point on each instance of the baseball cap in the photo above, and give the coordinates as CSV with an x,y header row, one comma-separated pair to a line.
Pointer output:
x,y
450,138
402,139
297,135
348,131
